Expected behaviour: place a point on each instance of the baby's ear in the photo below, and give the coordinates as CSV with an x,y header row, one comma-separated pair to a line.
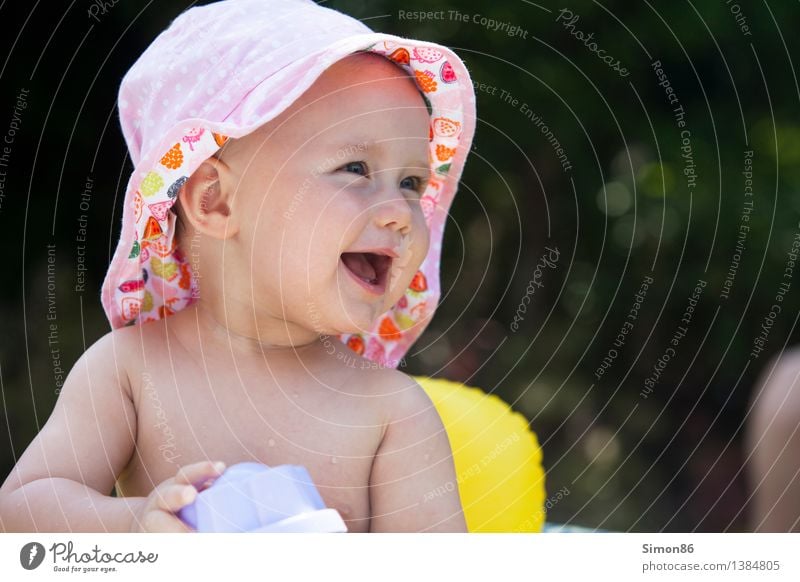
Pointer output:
x,y
206,200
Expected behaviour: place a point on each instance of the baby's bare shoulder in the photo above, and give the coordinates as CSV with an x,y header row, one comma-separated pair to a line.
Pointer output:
x,y
108,355
121,352
120,345
400,395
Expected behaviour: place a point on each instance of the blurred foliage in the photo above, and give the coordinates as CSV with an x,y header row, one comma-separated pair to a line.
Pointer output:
x,y
671,461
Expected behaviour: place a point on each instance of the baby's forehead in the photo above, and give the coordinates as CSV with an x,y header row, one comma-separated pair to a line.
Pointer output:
x,y
369,74
361,99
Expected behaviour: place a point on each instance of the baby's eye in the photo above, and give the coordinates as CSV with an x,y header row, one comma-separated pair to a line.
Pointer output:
x,y
356,168
412,183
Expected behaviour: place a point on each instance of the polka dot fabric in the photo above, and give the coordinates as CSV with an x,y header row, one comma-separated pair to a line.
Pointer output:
x,y
221,71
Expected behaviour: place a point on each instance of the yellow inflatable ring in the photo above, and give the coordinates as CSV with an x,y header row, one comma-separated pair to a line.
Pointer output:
x,y
497,458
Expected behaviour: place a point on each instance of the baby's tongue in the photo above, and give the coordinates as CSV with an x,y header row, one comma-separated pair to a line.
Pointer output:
x,y
358,263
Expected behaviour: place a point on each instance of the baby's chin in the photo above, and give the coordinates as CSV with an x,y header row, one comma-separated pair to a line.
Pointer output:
x,y
347,315
358,318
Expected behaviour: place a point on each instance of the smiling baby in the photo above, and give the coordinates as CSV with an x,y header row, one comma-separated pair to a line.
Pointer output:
x,y
279,255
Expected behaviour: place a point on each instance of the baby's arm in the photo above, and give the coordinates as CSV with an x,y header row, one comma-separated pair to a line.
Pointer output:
x,y
64,479
413,484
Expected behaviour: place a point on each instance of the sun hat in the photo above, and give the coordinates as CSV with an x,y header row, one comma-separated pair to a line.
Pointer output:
x,y
221,71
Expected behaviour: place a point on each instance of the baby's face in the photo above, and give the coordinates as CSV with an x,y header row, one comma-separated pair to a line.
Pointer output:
x,y
328,198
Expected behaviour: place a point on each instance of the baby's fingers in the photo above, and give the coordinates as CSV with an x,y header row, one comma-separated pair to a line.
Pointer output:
x,y
173,497
198,473
160,521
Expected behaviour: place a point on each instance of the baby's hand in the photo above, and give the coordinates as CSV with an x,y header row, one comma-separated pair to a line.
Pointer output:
x,y
158,514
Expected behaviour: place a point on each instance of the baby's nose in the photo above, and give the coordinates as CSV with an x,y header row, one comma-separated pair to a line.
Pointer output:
x,y
394,212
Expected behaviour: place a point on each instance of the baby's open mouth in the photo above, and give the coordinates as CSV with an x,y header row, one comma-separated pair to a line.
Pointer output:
x,y
369,268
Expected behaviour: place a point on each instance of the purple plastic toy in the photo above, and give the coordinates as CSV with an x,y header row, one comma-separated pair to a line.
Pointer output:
x,y
251,497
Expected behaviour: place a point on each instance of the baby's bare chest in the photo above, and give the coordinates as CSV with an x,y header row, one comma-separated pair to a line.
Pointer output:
x,y
225,417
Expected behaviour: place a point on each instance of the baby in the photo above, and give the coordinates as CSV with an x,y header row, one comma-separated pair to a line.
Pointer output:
x,y
279,254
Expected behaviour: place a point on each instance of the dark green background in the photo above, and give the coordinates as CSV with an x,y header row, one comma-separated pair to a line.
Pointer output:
x,y
672,461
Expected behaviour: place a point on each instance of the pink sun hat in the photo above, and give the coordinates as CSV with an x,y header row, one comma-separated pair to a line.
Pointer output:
x,y
223,70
